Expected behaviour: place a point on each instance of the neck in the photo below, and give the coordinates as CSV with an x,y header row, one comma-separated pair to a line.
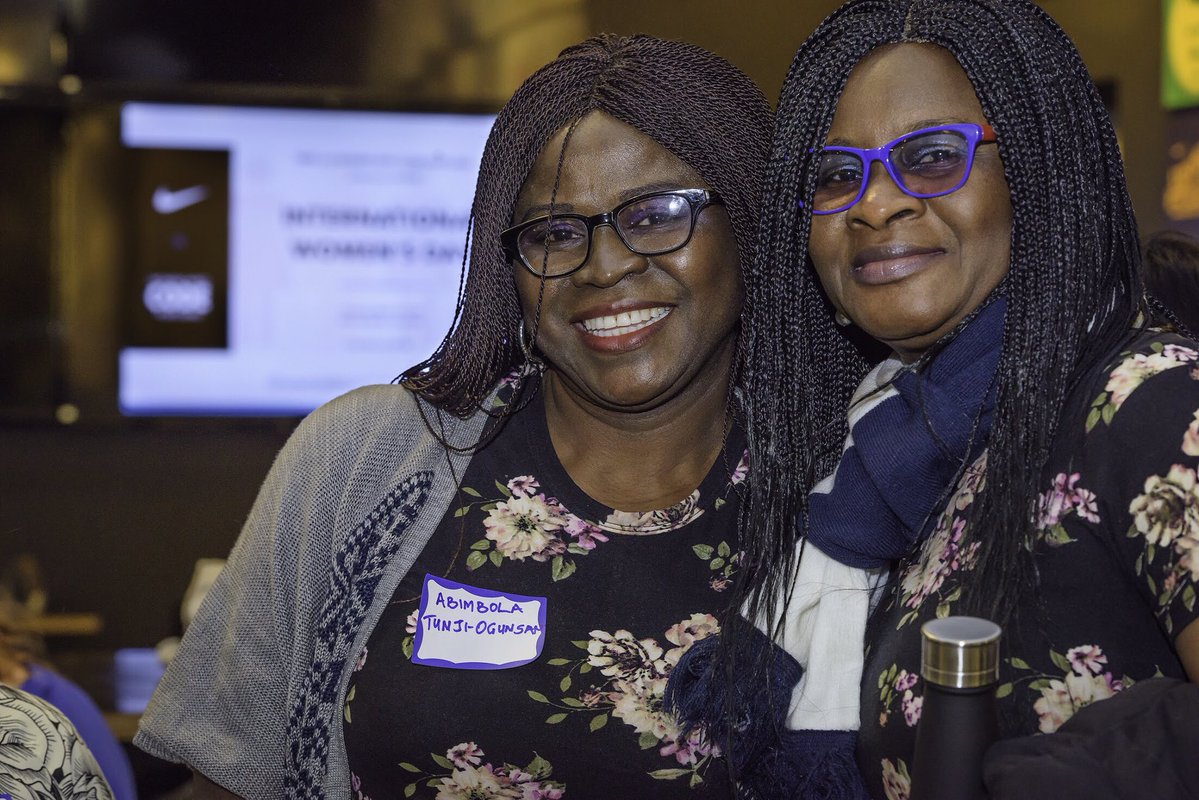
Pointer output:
x,y
644,460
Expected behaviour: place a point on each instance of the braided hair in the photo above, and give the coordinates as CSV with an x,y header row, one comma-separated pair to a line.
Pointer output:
x,y
1073,289
692,102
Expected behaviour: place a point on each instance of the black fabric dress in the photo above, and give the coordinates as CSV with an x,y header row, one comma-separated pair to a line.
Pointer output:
x,y
625,595
1117,552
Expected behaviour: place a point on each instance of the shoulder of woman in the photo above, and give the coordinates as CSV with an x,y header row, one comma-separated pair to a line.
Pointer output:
x,y
1153,385
382,414
351,455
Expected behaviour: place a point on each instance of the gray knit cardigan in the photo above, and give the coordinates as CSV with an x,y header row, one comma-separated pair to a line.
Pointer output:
x,y
254,698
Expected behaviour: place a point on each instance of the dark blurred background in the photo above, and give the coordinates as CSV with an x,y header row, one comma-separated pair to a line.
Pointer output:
x,y
115,510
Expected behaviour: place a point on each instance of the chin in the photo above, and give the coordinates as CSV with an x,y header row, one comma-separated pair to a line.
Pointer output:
x,y
917,336
633,398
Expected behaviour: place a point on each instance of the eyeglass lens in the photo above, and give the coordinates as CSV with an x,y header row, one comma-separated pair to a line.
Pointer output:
x,y
926,165
649,226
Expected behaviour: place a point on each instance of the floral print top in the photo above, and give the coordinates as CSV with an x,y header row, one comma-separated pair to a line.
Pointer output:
x,y
1117,551
41,753
627,594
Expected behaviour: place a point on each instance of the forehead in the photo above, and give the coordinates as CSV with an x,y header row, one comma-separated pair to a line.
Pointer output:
x,y
606,161
899,87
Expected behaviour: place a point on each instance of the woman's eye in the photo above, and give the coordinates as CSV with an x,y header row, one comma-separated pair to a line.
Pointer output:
x,y
839,171
932,155
556,236
649,219
654,213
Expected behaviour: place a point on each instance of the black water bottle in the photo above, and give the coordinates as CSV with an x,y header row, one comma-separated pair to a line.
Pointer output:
x,y
959,661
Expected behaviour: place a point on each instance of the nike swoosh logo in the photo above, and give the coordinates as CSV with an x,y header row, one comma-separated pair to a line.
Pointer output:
x,y
165,201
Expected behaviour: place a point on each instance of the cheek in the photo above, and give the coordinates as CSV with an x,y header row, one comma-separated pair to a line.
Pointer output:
x,y
989,237
713,270
527,289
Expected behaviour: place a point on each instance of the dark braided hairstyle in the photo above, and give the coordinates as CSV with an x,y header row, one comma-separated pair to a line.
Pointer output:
x,y
691,101
1073,290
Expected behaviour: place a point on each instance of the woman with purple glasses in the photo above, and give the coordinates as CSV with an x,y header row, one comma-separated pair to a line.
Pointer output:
x,y
955,407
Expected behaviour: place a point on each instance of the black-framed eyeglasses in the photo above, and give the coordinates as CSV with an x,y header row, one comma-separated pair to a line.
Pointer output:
x,y
651,224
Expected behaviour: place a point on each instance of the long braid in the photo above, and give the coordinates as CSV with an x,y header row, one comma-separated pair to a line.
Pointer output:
x,y
1073,291
689,100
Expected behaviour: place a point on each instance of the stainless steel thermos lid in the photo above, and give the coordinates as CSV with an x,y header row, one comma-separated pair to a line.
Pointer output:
x,y
960,652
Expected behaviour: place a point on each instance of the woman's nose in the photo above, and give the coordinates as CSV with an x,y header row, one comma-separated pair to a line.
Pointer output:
x,y
610,259
883,200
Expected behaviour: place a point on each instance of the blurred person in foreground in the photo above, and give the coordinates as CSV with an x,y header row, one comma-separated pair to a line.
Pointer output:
x,y
42,756
22,668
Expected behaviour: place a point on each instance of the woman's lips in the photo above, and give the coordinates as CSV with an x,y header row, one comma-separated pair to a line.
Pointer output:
x,y
622,330
879,265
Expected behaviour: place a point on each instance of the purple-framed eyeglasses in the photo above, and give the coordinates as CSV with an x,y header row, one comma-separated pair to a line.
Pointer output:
x,y
929,162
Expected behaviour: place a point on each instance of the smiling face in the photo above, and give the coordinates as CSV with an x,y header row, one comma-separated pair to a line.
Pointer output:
x,y
908,270
627,331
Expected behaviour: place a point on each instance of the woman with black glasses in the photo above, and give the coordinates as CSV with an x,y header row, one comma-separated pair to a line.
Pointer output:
x,y
955,407
476,583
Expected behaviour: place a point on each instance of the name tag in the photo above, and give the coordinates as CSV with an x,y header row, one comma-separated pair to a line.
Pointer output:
x,y
464,627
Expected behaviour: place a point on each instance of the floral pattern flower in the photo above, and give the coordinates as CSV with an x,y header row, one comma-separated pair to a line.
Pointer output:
x,y
897,783
682,513
525,526
1168,509
1133,370
467,777
1166,514
635,672
1190,439
524,522
1086,658
897,684
1066,497
741,471
1084,680
41,754
945,552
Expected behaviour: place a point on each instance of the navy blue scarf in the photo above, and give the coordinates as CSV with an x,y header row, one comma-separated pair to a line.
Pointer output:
x,y
905,457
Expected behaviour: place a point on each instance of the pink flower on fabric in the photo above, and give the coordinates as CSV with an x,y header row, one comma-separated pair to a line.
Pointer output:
x,y
523,486
1061,699
1065,497
905,680
1086,659
897,783
688,632
741,471
912,706
585,534
689,751
465,753
525,526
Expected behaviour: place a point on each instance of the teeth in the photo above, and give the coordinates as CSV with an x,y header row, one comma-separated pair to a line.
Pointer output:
x,y
625,321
